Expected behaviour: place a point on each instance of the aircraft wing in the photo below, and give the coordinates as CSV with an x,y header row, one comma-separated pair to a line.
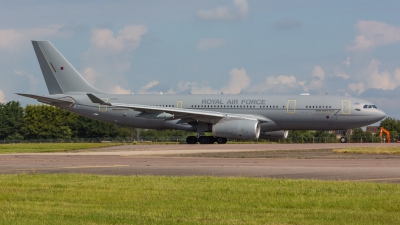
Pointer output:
x,y
196,114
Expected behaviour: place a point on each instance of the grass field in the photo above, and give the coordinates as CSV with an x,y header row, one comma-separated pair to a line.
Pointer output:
x,y
390,150
50,147
98,199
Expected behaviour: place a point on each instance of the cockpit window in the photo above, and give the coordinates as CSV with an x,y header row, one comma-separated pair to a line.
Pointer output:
x,y
370,106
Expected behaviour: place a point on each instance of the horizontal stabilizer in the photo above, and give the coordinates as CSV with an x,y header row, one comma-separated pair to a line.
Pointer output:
x,y
62,101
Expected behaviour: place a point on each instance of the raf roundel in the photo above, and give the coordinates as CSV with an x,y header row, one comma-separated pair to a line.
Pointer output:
x,y
62,68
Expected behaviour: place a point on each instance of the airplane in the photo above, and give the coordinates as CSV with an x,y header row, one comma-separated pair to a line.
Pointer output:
x,y
226,116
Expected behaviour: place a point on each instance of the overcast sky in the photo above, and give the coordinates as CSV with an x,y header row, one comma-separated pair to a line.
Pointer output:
x,y
273,47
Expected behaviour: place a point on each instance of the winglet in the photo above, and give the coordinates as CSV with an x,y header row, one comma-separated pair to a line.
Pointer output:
x,y
95,99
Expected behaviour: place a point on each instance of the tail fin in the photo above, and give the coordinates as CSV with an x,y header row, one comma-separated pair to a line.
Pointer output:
x,y
60,76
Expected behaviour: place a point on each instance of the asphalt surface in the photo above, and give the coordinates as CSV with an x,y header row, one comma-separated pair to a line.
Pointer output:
x,y
297,161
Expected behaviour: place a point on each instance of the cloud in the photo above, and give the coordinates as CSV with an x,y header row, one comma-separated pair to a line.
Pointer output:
x,y
347,62
286,24
90,75
381,79
242,7
318,72
357,87
374,78
145,88
33,81
109,58
379,93
10,39
238,11
238,81
2,97
372,34
282,79
316,82
128,38
209,43
342,75
119,90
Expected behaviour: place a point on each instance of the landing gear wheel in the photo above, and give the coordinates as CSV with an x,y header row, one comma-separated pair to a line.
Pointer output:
x,y
343,139
191,140
221,140
206,140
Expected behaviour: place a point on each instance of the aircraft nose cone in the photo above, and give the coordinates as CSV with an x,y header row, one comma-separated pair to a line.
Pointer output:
x,y
382,114
378,115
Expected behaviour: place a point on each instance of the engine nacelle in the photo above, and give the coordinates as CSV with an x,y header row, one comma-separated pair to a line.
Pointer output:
x,y
237,129
280,134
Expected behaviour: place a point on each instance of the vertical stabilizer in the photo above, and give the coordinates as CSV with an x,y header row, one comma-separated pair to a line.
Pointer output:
x,y
60,76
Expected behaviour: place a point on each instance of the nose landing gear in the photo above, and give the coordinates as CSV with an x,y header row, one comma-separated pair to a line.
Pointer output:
x,y
343,138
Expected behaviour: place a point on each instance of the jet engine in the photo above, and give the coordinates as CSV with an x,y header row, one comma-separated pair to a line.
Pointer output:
x,y
280,134
237,129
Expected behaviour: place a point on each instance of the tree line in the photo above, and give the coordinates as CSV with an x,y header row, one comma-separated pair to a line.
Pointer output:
x,y
49,122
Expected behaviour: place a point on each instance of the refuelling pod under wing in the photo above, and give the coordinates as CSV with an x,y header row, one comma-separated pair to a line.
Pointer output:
x,y
274,135
237,129
161,115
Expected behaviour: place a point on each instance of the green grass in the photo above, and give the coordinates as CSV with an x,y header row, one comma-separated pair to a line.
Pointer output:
x,y
368,150
98,199
50,147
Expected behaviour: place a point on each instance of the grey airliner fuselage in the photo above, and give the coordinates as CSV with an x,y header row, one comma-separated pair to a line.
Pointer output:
x,y
227,116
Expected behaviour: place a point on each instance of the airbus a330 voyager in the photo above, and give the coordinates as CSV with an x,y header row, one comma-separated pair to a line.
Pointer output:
x,y
226,116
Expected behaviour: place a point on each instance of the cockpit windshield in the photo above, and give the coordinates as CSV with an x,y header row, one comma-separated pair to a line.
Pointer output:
x,y
369,106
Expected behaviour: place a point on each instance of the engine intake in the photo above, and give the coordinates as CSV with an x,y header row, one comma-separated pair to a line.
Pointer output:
x,y
237,129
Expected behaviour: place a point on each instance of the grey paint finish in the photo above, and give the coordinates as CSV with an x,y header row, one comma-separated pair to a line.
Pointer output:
x,y
189,112
281,118
58,72
51,81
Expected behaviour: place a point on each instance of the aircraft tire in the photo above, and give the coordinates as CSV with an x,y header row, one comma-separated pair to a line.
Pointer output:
x,y
206,140
221,140
191,140
343,139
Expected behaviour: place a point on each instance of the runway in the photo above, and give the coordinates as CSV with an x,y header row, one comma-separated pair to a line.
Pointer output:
x,y
296,161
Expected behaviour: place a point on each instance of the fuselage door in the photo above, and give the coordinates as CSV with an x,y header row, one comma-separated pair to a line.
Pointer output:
x,y
346,107
291,107
179,104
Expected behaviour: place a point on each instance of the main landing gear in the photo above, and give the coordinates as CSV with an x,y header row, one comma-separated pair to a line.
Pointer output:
x,y
205,140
